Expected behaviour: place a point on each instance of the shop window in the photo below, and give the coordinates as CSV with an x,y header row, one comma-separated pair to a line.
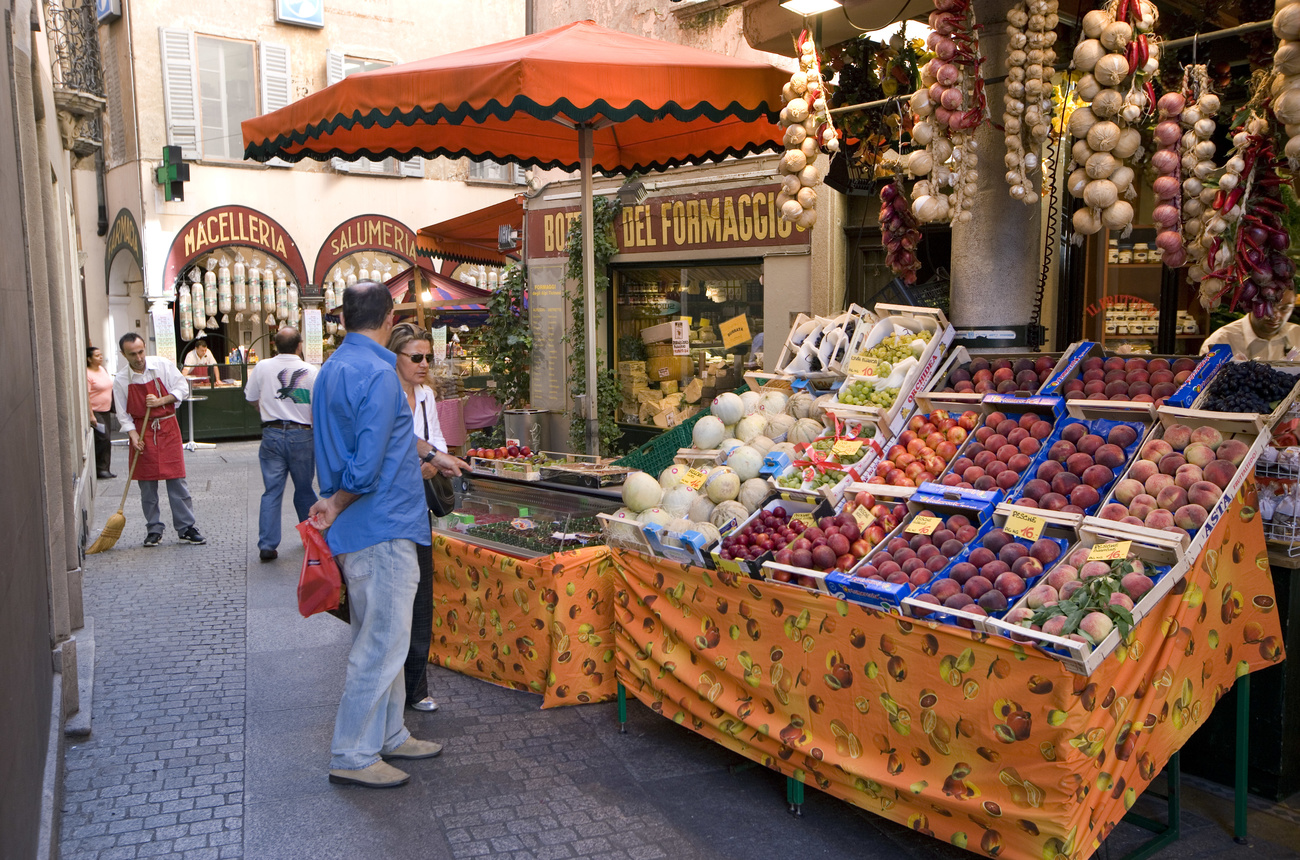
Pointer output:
x,y
491,171
337,67
227,94
706,295
869,280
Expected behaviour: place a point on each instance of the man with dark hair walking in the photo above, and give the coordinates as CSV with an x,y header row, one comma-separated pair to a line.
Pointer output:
x,y
150,387
280,387
374,508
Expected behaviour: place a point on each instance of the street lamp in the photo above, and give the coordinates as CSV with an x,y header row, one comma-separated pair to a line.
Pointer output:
x,y
807,8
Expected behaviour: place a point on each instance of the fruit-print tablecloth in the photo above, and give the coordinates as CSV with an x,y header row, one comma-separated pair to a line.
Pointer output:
x,y
545,625
971,739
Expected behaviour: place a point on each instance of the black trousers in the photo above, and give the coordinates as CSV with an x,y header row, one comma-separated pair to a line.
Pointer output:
x,y
103,450
417,659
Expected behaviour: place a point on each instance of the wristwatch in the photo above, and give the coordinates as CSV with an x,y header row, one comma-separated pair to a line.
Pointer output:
x,y
429,457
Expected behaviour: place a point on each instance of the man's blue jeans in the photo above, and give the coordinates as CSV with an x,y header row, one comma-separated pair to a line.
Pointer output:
x,y
381,582
284,452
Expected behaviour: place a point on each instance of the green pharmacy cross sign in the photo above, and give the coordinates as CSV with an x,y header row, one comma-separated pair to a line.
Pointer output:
x,y
173,174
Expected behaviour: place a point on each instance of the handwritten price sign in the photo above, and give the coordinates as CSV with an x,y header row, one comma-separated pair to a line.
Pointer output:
x,y
923,525
806,519
694,479
863,517
1025,525
860,365
1109,551
846,447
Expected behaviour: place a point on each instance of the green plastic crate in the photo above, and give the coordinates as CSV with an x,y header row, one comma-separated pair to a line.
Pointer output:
x,y
657,454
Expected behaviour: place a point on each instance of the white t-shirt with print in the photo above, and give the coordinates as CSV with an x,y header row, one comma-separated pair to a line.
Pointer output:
x,y
281,387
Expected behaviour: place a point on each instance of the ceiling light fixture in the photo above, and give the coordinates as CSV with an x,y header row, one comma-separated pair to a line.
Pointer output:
x,y
810,7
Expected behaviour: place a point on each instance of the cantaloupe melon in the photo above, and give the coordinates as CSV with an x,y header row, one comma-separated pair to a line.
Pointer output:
x,y
701,509
728,513
753,493
678,500
641,492
723,484
761,444
804,430
778,426
800,404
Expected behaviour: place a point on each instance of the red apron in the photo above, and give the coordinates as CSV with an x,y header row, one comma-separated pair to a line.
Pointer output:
x,y
162,458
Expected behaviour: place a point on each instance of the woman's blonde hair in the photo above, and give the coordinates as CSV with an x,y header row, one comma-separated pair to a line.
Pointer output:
x,y
404,333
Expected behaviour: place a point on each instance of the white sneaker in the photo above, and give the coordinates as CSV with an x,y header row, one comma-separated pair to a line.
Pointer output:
x,y
426,704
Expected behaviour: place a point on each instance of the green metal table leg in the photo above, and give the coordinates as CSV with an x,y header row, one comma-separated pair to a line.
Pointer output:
x,y
622,709
794,795
1166,832
1243,760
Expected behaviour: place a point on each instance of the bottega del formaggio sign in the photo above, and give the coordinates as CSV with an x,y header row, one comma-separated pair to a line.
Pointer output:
x,y
735,218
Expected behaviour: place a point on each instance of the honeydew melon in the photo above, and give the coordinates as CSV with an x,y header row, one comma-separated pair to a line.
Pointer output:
x,y
773,403
746,461
641,492
708,432
723,484
750,426
678,500
658,516
728,407
751,400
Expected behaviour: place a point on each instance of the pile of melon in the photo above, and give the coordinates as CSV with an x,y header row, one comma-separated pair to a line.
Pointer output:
x,y
766,422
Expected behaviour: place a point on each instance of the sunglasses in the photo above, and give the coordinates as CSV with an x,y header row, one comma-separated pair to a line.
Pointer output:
x,y
419,357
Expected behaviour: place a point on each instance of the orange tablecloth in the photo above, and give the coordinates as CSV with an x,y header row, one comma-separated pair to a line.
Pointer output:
x,y
545,625
971,739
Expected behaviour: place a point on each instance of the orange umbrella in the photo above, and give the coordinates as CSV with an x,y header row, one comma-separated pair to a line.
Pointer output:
x,y
578,96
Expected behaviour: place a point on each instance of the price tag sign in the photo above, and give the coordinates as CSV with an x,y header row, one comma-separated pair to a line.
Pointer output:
x,y
1023,524
681,337
846,447
1109,551
863,517
860,365
806,519
694,479
923,525
735,331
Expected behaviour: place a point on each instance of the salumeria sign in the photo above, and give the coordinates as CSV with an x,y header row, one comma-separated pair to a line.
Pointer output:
x,y
737,218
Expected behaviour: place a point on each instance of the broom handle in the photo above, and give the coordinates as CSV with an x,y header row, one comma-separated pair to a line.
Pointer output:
x,y
135,458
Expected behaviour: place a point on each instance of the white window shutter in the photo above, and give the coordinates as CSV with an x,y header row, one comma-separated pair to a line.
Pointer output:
x,y
276,80
413,166
517,174
180,92
334,74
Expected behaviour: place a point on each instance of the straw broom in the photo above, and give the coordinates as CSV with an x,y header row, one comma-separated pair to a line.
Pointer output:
x,y
113,528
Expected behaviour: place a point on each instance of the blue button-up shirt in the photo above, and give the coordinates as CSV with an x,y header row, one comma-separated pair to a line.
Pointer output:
x,y
364,445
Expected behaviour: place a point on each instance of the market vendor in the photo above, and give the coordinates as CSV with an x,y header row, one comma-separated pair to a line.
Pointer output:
x,y
200,359
1255,339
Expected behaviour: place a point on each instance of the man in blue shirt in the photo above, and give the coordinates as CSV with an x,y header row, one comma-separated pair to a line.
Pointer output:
x,y
374,508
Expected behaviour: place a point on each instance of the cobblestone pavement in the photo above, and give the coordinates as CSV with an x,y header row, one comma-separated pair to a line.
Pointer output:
x,y
214,705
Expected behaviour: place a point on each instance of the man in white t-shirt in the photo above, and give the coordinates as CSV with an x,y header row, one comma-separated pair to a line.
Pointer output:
x,y
281,388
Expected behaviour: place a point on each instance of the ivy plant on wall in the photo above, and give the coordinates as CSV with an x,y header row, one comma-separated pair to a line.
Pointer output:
x,y
508,340
608,393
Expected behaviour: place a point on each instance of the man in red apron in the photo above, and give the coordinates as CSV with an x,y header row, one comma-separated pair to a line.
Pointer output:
x,y
155,384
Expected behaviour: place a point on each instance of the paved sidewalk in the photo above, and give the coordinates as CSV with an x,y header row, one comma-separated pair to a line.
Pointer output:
x,y
214,704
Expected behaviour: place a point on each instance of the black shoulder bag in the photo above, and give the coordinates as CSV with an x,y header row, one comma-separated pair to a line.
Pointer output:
x,y
438,491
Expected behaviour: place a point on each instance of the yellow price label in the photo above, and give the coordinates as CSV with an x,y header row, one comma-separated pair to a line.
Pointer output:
x,y
694,479
846,447
863,517
1109,551
923,525
861,365
806,519
735,331
1023,524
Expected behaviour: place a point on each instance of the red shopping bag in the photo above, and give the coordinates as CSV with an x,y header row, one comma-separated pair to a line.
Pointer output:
x,y
320,586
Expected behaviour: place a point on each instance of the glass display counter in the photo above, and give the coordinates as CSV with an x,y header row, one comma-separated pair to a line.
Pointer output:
x,y
527,519
219,408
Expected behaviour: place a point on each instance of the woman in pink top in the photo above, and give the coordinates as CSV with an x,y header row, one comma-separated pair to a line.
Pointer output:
x,y
100,386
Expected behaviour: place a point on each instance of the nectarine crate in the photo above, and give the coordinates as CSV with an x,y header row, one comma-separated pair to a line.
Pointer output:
x,y
1270,419
839,583
944,503
520,470
988,557
902,320
1058,531
1246,436
1104,476
1166,569
939,393
1119,391
1050,408
753,567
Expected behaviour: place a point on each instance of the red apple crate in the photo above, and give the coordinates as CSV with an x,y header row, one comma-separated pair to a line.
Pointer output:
x,y
1247,428
753,568
1080,657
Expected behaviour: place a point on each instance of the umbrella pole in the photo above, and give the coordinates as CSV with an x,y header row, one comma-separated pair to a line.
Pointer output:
x,y
586,153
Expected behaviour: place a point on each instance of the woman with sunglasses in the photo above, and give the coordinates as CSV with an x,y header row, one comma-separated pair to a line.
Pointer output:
x,y
414,349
